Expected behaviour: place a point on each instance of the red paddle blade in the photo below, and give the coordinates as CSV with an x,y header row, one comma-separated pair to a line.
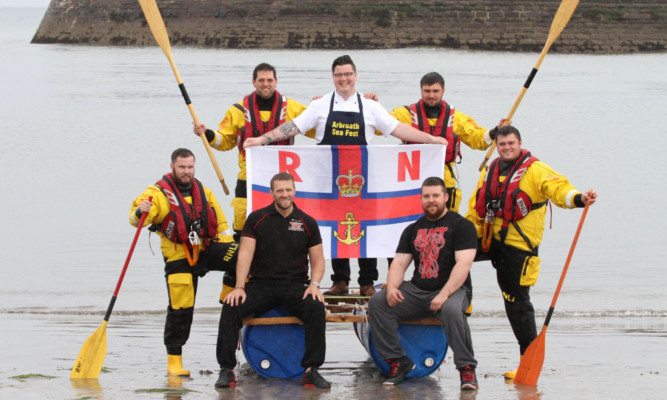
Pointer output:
x,y
531,362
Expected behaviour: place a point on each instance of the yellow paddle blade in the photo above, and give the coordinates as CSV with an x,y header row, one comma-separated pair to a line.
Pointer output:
x,y
91,357
156,24
531,362
562,17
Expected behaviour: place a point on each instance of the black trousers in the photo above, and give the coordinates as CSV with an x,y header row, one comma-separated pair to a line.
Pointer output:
x,y
262,296
368,270
508,262
218,257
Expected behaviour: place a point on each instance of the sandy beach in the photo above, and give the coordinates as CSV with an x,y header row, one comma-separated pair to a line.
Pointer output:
x,y
586,358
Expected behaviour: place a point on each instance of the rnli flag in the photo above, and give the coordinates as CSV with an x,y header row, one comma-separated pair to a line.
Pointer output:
x,y
361,196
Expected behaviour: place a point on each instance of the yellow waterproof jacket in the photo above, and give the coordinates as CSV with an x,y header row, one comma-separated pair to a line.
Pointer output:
x,y
541,183
471,134
160,210
226,136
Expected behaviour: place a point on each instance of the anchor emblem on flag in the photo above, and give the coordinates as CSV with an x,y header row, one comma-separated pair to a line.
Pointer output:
x,y
349,239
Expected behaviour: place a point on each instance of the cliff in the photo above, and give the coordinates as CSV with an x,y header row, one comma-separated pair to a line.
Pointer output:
x,y
597,26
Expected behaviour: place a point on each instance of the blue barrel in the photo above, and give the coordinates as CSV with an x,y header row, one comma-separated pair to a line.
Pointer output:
x,y
275,351
425,345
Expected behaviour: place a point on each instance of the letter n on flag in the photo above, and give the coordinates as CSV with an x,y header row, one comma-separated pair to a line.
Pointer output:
x,y
361,196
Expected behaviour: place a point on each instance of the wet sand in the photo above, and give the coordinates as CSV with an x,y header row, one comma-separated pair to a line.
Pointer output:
x,y
586,358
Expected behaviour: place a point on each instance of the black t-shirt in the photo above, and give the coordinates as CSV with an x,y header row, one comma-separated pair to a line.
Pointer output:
x,y
281,251
432,245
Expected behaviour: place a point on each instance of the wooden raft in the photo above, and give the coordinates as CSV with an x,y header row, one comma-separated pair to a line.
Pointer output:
x,y
335,313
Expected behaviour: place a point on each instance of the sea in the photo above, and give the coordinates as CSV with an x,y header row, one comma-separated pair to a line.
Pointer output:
x,y
85,130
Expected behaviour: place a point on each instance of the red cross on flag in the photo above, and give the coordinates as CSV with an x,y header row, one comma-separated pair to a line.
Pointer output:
x,y
361,196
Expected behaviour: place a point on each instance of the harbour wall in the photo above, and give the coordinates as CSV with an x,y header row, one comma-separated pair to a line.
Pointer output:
x,y
597,26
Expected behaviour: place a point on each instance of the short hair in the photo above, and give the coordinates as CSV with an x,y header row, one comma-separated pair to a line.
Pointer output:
x,y
181,153
343,60
283,176
264,67
434,181
508,130
431,79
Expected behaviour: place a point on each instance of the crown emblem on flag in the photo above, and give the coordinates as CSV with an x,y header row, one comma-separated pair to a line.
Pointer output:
x,y
352,187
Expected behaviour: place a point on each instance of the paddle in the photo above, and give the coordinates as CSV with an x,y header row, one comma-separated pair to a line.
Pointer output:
x,y
533,358
159,30
91,357
562,17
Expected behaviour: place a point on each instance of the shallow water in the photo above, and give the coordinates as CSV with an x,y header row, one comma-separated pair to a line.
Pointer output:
x,y
611,358
85,129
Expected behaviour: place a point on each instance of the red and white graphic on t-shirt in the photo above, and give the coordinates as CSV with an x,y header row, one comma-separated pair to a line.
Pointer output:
x,y
429,242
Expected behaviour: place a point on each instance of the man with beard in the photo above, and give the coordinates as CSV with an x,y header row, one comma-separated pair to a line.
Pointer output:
x,y
276,244
508,209
345,117
258,112
442,245
192,226
435,116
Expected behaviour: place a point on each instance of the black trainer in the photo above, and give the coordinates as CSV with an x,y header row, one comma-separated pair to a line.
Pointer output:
x,y
398,369
468,378
312,379
226,378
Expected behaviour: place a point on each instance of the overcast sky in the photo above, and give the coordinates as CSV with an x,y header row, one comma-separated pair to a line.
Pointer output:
x,y
25,3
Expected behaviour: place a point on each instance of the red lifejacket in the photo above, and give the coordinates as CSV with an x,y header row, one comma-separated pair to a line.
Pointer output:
x,y
444,127
505,199
183,217
254,126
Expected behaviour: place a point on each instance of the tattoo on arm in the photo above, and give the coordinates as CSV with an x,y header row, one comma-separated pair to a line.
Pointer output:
x,y
284,131
288,130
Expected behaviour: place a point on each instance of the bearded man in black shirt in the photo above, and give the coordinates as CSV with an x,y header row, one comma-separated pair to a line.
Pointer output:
x,y
443,246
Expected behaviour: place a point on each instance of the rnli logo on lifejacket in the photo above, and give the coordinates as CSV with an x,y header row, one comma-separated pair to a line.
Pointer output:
x,y
518,175
171,197
296,226
283,111
415,120
523,208
170,229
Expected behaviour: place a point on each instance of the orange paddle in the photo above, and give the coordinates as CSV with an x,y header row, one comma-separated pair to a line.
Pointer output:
x,y
533,358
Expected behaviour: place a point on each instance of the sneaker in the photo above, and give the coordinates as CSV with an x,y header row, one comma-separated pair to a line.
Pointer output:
x,y
226,378
468,378
398,369
367,290
338,289
312,379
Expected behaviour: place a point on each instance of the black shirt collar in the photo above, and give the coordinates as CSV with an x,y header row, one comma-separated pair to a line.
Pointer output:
x,y
265,104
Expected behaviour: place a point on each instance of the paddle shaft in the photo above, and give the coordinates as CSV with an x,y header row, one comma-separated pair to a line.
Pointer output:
x,y
532,360
563,15
159,30
127,262
89,362
567,265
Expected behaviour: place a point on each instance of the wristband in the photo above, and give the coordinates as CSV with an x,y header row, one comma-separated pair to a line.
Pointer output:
x,y
210,134
315,283
240,287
